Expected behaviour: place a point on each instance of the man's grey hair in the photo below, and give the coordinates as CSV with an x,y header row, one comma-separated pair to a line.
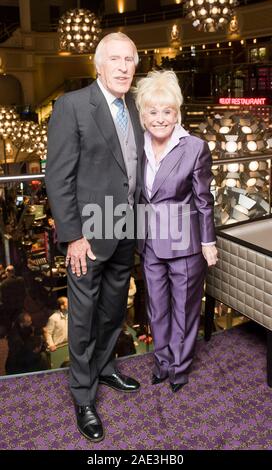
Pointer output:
x,y
98,57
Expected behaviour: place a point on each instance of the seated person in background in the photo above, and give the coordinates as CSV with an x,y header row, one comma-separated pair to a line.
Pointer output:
x,y
13,294
56,330
125,344
17,337
33,357
21,330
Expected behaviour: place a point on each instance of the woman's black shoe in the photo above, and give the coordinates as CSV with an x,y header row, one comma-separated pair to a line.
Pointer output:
x,y
176,387
157,380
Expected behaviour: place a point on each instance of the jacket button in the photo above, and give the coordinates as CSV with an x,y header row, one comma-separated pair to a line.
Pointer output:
x,y
126,185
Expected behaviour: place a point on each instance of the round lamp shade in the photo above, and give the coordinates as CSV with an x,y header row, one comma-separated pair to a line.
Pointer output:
x,y
79,32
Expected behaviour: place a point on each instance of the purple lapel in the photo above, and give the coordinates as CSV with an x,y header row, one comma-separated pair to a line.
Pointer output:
x,y
168,163
144,167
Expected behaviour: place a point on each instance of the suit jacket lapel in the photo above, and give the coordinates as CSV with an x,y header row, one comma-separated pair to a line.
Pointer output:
x,y
104,121
138,132
143,177
167,165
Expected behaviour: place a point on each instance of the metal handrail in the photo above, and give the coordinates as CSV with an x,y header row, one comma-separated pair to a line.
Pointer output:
x,y
242,65
122,20
7,30
108,21
19,178
117,19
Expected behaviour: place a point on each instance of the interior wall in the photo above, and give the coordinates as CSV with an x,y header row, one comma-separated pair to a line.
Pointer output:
x,y
51,72
10,91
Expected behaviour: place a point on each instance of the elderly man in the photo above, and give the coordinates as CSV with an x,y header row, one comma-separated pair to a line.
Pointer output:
x,y
95,143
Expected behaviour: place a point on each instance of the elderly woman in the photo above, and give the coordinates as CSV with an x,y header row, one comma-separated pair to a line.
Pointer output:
x,y
176,181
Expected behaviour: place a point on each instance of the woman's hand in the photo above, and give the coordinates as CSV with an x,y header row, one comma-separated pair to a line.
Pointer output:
x,y
210,254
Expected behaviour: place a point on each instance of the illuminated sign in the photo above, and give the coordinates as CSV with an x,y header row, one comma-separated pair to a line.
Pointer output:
x,y
243,101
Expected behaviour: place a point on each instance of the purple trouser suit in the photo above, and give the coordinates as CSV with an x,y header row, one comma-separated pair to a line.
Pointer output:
x,y
174,277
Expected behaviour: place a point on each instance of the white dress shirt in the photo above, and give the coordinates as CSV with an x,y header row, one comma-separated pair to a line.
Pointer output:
x,y
152,164
110,99
56,330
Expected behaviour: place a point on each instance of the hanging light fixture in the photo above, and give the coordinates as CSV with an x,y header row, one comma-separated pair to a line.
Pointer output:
x,y
30,137
210,15
23,136
8,121
40,148
79,31
235,135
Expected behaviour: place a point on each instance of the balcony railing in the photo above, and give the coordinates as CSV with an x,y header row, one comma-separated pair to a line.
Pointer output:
x,y
6,30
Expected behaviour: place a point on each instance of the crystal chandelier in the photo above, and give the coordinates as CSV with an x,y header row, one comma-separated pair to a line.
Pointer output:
x,y
23,136
209,15
30,137
79,32
8,121
41,141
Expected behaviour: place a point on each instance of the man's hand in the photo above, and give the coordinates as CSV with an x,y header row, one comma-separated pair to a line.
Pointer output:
x,y
52,348
76,256
210,254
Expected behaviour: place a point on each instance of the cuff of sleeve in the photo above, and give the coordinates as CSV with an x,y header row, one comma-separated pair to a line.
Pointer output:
x,y
208,244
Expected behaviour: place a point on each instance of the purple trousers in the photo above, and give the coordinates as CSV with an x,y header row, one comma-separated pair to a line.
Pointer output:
x,y
174,293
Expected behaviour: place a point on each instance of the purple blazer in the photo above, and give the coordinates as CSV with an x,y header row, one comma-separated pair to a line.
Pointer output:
x,y
183,178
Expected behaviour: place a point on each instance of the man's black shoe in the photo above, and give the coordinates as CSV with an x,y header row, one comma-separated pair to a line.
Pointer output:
x,y
177,387
120,382
157,380
89,423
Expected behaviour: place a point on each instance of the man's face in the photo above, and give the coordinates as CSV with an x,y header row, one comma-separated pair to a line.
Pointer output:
x,y
27,322
64,306
117,67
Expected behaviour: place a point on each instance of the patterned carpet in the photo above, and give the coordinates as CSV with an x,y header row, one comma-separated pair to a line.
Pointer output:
x,y
226,405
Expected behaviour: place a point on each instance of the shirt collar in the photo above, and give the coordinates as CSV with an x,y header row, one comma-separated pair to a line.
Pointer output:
x,y
177,134
110,98
62,314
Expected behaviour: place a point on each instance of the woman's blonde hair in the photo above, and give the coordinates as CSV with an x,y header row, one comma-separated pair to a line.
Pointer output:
x,y
158,87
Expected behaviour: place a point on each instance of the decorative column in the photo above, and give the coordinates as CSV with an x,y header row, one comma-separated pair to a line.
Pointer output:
x,y
25,15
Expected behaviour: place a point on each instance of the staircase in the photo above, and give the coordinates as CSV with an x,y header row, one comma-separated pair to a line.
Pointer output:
x,y
6,31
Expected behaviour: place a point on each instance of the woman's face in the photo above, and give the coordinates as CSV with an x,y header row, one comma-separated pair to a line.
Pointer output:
x,y
160,121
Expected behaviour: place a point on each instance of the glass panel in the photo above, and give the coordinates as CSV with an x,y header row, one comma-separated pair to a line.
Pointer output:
x,y
258,54
28,242
241,190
